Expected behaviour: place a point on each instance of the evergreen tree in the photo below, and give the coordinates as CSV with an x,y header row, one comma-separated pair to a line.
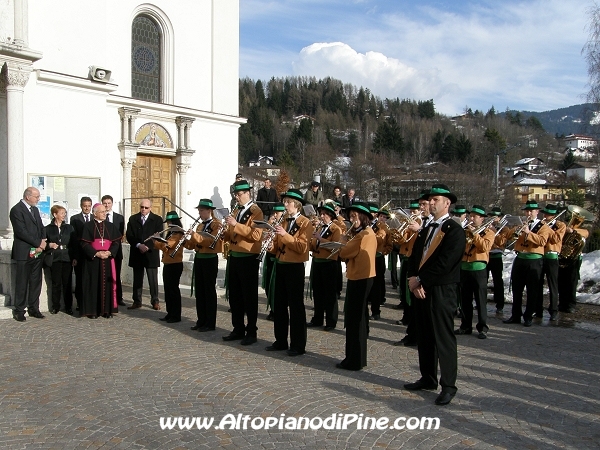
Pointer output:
x,y
388,138
569,159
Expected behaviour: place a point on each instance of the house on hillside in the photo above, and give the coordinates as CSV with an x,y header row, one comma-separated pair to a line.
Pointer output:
x,y
261,161
586,171
579,141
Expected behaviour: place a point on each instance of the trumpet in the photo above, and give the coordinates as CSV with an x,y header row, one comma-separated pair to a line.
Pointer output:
x,y
186,235
472,233
501,224
222,230
405,220
349,234
268,241
517,233
553,221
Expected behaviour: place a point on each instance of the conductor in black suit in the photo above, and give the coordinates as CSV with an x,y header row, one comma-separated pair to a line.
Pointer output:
x,y
142,254
118,221
434,274
78,221
29,242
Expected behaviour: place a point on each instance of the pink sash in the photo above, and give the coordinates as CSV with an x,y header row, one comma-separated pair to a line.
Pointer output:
x,y
104,244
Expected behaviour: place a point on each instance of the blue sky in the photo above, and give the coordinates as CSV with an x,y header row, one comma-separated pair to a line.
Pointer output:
x,y
521,54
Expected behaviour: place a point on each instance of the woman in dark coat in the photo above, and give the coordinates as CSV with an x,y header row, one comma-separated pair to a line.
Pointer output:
x,y
61,242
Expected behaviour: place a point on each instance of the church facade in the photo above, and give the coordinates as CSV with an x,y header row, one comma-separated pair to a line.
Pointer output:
x,y
118,97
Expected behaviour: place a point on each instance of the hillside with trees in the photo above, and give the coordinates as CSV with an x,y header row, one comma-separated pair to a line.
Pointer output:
x,y
385,148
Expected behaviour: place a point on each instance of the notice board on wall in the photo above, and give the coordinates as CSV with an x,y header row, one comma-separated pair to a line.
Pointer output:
x,y
63,190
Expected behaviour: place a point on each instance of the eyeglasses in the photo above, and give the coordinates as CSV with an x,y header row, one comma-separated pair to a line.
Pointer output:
x,y
144,207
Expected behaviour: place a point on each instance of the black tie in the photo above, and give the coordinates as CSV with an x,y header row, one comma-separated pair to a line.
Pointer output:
x,y
87,218
432,228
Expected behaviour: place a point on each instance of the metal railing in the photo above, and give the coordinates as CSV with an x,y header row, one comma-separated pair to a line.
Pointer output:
x,y
164,201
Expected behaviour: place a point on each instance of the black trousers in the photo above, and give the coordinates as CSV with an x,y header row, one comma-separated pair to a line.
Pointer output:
x,y
568,278
171,276
339,278
61,281
473,283
435,336
78,269
243,293
289,294
394,266
118,265
525,273
355,322
268,264
205,280
495,267
377,293
138,283
324,293
403,282
550,270
28,285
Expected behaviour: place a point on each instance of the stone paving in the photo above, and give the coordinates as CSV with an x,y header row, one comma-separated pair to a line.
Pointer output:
x,y
73,383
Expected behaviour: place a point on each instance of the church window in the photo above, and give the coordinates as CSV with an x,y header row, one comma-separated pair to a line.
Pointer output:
x,y
146,41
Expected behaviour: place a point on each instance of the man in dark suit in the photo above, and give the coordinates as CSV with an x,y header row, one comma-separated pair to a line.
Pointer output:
x,y
29,242
142,254
434,274
118,221
78,221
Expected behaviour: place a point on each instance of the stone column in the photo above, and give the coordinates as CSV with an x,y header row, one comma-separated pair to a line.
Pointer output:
x,y
21,32
128,149
14,77
183,159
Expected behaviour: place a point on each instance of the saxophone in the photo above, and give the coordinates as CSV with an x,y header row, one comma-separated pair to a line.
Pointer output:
x,y
268,241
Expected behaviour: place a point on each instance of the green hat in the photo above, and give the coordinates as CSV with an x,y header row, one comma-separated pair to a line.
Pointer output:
x,y
361,207
293,193
414,204
531,204
241,185
385,212
442,189
205,203
171,215
328,209
424,195
496,211
478,209
550,209
459,209
278,207
373,207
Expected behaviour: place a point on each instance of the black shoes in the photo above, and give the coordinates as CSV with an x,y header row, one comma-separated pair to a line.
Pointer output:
x,y
274,347
342,365
248,340
69,311
328,328
233,337
482,335
527,322
121,303
312,324
166,318
294,352
512,320
19,317
203,329
553,316
420,385
173,320
376,316
444,398
36,314
461,331
54,311
135,306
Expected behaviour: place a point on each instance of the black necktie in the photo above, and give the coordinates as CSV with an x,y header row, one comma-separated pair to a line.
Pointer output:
x,y
87,218
431,228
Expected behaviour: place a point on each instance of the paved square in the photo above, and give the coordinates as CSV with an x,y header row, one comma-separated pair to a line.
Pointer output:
x,y
71,383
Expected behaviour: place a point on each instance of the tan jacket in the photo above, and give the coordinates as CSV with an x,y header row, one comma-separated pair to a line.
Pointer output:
x,y
479,249
339,221
533,242
557,232
384,242
293,247
244,237
502,238
202,245
359,254
333,234
168,247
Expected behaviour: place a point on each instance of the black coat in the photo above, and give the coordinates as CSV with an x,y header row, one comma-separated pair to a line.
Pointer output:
x,y
137,234
66,237
443,264
269,196
119,222
28,230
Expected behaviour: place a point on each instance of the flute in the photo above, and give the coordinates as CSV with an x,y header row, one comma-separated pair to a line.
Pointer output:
x,y
184,237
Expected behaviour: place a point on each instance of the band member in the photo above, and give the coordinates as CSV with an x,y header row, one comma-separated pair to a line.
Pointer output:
x,y
206,266
244,247
291,244
550,263
172,268
408,239
324,269
269,261
473,273
495,264
527,267
384,246
340,222
434,273
459,211
568,271
359,253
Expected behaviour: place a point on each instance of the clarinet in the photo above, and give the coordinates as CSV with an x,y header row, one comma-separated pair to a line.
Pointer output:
x,y
221,230
269,239
187,234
